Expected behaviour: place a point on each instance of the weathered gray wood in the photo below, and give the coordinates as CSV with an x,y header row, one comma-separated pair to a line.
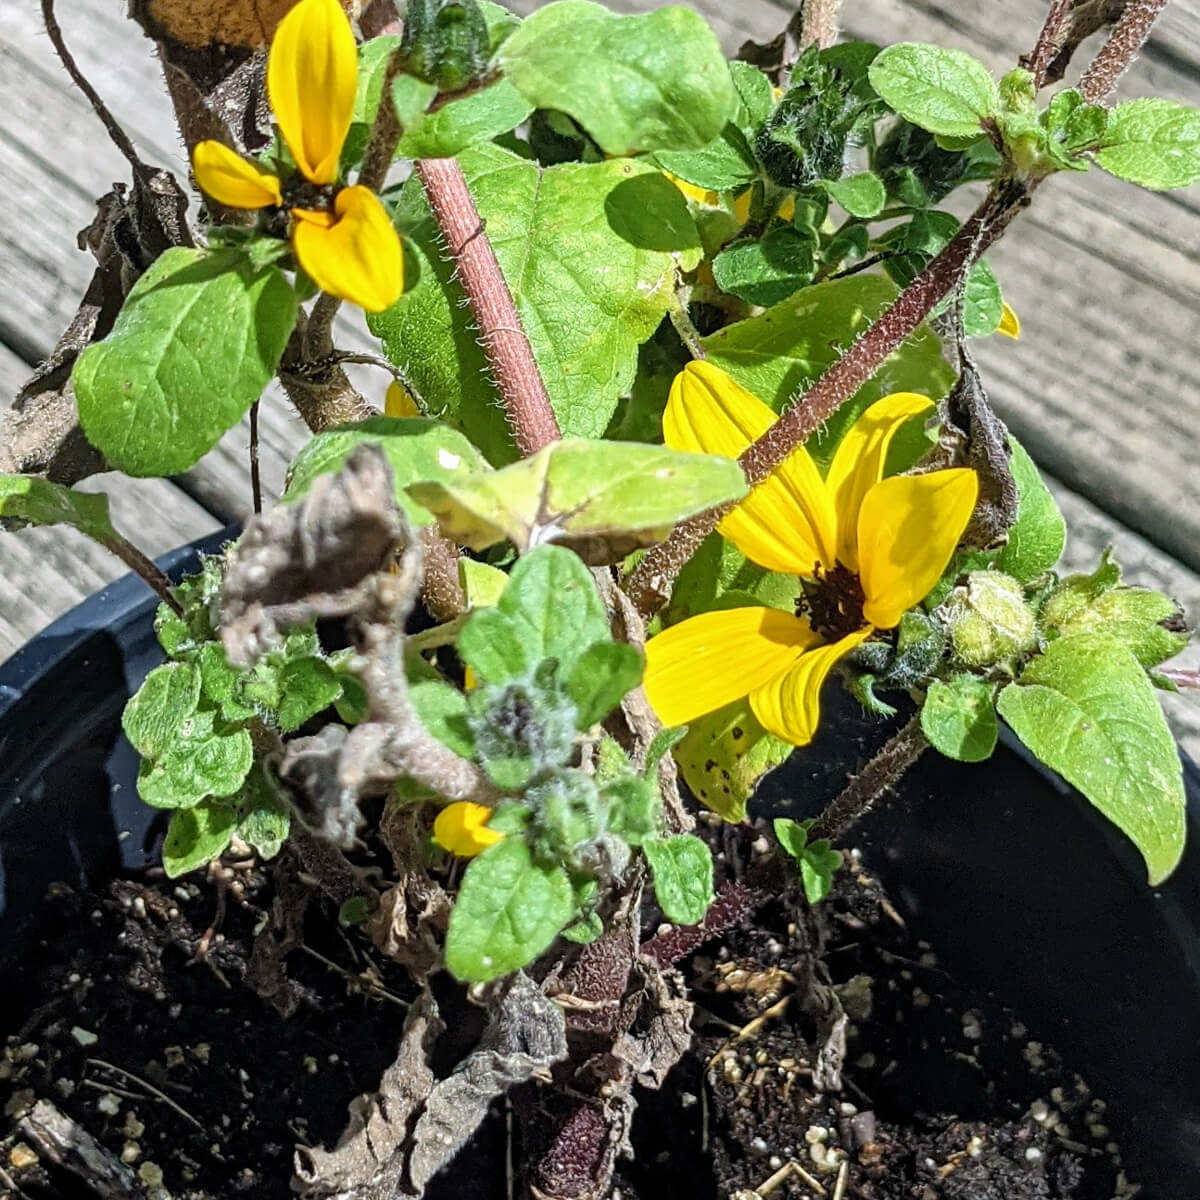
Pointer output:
x,y
44,572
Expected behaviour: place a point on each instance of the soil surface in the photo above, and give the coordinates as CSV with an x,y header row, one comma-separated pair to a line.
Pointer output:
x,y
130,1032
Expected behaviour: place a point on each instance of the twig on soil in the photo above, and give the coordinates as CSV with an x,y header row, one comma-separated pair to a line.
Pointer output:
x,y
839,1188
356,978
773,1182
149,1087
522,390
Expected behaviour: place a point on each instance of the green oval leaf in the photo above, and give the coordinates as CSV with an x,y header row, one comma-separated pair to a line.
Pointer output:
x,y
198,338
416,448
682,868
1039,535
862,195
477,117
28,500
509,909
1152,142
959,718
635,83
195,836
945,91
1086,709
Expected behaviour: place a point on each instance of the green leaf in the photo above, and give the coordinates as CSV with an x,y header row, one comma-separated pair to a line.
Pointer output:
x,y
354,911
443,711
601,678
482,583
944,91
1086,709
959,718
490,644
605,499
262,814
723,756
816,861
476,117
28,500
308,686
195,343
777,354
861,195
983,305
767,270
682,869
373,58
159,709
1039,535
501,24
1152,142
417,449
203,760
584,931
635,83
222,683
508,911
726,164
756,96
411,97
634,808
589,252
195,836
719,575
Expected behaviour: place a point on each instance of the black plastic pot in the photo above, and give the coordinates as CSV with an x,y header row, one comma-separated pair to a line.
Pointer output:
x,y
1024,890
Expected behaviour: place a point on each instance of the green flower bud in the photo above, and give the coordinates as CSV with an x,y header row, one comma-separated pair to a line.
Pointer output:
x,y
1151,624
566,813
990,622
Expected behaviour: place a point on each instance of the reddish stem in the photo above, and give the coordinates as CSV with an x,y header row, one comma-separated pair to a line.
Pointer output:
x,y
1127,38
1049,40
735,901
508,352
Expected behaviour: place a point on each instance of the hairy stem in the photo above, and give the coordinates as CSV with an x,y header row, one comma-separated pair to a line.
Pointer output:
x,y
522,390
1128,36
897,754
144,566
1049,40
650,583
735,901
819,23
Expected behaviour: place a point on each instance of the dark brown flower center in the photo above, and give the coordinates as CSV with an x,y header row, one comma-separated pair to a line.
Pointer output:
x,y
832,601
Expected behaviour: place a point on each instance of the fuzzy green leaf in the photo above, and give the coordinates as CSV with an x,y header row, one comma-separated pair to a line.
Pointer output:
x,y
1152,142
1086,709
1037,539
195,343
417,449
476,117
635,83
158,710
307,686
589,252
30,500
490,644
442,709
262,814
603,675
634,808
769,269
204,759
682,869
815,861
775,355
959,718
508,911
195,836
726,164
604,499
862,195
944,91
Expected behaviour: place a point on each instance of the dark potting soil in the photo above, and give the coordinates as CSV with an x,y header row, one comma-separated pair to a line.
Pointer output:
x,y
129,1019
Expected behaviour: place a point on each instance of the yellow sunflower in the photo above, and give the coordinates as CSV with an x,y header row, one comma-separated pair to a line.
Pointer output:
x,y
342,236
866,549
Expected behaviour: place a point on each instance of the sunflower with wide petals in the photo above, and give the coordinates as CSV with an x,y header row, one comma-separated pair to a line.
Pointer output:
x,y
866,550
341,235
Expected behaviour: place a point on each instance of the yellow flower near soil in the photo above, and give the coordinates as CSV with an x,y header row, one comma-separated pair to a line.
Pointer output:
x,y
462,829
342,236
865,548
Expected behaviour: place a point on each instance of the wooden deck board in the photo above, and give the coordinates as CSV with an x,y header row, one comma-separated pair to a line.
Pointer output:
x,y
1088,400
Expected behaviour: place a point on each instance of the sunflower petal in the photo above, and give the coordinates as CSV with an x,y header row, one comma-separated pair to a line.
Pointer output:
x,y
312,77
789,706
462,829
1010,323
908,527
356,254
397,402
706,662
231,180
692,192
787,522
859,461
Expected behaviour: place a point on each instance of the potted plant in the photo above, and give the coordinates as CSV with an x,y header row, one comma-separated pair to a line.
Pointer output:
x,y
683,429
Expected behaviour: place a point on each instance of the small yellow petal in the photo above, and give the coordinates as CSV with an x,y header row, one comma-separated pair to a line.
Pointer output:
x,y
231,180
354,253
462,829
787,522
741,206
312,78
693,192
908,527
398,403
859,461
470,683
1010,323
790,706
787,210
706,662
